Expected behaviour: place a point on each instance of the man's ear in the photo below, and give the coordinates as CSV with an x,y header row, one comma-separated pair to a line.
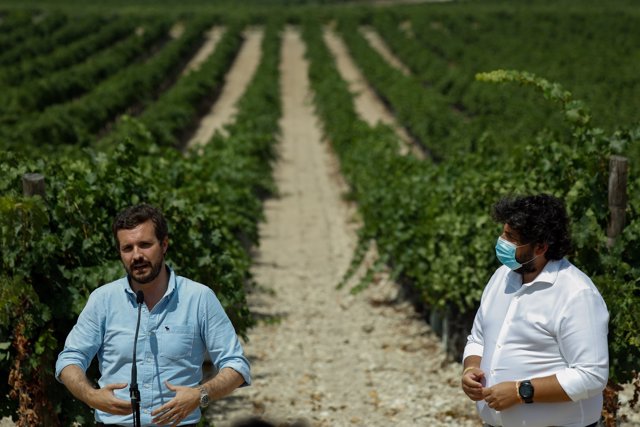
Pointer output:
x,y
165,245
541,248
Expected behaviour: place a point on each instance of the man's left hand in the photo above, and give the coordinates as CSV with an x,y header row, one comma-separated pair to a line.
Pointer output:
x,y
501,396
171,413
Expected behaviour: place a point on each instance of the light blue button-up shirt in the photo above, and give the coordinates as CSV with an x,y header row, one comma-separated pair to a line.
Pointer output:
x,y
174,337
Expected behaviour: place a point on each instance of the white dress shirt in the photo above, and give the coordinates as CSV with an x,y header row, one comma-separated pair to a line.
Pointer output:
x,y
556,324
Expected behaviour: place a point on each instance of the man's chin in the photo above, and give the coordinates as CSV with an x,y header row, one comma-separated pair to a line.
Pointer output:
x,y
525,269
142,279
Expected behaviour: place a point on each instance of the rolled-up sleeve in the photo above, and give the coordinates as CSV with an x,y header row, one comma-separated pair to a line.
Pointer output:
x,y
582,339
83,341
475,341
222,342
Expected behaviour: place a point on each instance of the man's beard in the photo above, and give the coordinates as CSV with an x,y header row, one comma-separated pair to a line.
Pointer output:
x,y
528,266
147,278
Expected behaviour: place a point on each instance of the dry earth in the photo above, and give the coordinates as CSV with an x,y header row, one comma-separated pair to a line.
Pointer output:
x,y
367,104
379,45
236,80
212,38
321,354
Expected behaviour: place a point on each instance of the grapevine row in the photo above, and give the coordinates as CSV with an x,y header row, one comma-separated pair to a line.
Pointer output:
x,y
173,114
68,33
423,111
65,56
28,27
73,82
77,122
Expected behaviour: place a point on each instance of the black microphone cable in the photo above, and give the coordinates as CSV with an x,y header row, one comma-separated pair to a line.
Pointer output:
x,y
134,393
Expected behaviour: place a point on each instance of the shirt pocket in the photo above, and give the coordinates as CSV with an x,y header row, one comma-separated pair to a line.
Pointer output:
x,y
175,341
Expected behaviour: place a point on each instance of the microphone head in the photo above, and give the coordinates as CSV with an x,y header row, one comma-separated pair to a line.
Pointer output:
x,y
140,297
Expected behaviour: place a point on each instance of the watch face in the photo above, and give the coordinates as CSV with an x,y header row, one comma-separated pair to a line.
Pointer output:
x,y
204,398
526,390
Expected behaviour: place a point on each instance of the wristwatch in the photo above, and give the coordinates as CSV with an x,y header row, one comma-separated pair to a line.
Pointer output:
x,y
204,397
525,390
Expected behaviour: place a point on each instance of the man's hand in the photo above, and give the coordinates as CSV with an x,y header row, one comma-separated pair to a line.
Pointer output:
x,y
501,396
187,399
105,400
472,383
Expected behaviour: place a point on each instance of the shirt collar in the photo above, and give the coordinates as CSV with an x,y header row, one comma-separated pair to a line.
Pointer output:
x,y
171,286
549,274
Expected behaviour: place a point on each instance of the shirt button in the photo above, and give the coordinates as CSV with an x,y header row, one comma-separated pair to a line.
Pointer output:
x,y
499,346
493,372
147,385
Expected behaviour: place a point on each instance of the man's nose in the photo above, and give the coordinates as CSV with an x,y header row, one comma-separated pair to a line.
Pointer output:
x,y
137,253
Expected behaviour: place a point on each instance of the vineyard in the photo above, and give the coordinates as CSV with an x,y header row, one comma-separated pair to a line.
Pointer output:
x,y
412,120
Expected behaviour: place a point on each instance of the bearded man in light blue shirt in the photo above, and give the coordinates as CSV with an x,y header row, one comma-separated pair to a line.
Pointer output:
x,y
181,322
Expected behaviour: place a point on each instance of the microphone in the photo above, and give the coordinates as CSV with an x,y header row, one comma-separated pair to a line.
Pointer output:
x,y
134,393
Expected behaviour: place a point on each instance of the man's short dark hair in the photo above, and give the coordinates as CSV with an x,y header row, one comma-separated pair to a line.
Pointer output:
x,y
133,216
537,219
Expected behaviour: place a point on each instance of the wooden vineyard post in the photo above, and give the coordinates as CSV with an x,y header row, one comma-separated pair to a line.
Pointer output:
x,y
618,167
33,184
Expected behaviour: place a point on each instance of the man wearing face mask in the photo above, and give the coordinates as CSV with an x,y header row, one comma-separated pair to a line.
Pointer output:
x,y
537,354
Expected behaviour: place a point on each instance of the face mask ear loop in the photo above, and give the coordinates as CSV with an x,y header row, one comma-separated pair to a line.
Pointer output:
x,y
532,259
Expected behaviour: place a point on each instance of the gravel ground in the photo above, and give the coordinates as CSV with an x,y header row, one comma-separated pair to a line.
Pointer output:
x,y
320,354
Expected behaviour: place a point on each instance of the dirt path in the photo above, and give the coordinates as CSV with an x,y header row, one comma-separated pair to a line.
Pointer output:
x,y
321,354
381,47
236,80
368,105
212,38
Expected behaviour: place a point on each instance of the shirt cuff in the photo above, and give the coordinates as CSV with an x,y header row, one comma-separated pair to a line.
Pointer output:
x,y
473,349
242,369
63,363
575,385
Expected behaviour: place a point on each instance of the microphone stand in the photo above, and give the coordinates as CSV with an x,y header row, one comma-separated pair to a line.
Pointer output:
x,y
134,393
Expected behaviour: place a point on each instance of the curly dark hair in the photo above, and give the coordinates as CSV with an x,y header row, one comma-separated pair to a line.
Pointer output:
x,y
537,219
133,216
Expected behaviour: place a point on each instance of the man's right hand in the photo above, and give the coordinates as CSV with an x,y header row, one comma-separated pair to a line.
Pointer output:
x,y
74,378
472,383
105,400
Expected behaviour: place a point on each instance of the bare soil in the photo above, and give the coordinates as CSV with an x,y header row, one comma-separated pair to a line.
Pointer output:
x,y
320,355
236,81
212,38
367,103
381,47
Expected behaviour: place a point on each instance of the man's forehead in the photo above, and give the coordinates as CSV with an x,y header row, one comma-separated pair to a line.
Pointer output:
x,y
141,231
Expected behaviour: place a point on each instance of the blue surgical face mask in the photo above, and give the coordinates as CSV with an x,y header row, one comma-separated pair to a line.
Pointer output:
x,y
506,253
